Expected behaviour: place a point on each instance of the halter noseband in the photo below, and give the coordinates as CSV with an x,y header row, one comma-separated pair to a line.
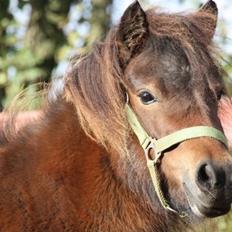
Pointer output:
x,y
160,145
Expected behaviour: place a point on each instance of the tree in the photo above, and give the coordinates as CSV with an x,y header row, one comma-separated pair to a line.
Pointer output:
x,y
6,41
33,57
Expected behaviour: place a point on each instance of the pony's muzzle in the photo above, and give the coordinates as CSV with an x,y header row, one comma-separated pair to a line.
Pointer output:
x,y
214,184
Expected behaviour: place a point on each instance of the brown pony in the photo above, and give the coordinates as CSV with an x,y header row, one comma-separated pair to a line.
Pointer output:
x,y
79,167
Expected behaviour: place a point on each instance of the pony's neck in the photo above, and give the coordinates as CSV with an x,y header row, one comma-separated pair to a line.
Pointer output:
x,y
92,178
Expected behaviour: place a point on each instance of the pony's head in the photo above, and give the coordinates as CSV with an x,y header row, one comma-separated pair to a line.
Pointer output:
x,y
166,65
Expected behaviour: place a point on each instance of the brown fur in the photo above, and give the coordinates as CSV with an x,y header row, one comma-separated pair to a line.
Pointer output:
x,y
79,167
22,119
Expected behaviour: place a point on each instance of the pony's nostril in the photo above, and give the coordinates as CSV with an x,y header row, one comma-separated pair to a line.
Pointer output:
x,y
203,173
210,177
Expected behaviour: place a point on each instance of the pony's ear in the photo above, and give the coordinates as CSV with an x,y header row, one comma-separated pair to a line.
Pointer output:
x,y
132,32
210,7
208,15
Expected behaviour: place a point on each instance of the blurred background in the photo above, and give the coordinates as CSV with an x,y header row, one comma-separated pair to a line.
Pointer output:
x,y
37,38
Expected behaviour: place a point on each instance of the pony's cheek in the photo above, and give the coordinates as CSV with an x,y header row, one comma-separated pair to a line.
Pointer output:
x,y
225,116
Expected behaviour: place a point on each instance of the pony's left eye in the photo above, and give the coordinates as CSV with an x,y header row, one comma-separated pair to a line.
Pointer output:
x,y
147,98
220,94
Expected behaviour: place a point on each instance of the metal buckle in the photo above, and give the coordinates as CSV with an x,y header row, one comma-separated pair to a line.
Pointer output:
x,y
150,147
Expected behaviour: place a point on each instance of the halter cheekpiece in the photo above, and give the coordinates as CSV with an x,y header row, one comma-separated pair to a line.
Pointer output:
x,y
160,145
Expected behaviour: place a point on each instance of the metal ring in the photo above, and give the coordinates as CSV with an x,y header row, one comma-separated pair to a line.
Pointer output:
x,y
147,150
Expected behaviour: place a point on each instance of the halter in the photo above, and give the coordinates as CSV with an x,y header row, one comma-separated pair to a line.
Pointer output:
x,y
160,145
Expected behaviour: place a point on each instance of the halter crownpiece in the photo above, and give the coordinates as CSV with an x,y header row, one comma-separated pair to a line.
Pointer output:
x,y
160,145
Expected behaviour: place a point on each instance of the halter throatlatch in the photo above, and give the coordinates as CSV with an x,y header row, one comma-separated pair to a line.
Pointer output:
x,y
160,145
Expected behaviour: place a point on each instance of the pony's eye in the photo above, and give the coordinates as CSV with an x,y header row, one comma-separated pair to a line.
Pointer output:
x,y
220,94
147,98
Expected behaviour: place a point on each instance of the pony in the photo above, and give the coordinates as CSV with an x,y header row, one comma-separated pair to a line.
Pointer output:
x,y
79,165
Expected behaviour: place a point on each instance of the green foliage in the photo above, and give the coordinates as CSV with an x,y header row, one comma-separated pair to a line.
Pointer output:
x,y
30,53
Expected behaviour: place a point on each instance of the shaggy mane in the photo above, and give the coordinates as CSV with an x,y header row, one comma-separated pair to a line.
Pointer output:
x,y
94,82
